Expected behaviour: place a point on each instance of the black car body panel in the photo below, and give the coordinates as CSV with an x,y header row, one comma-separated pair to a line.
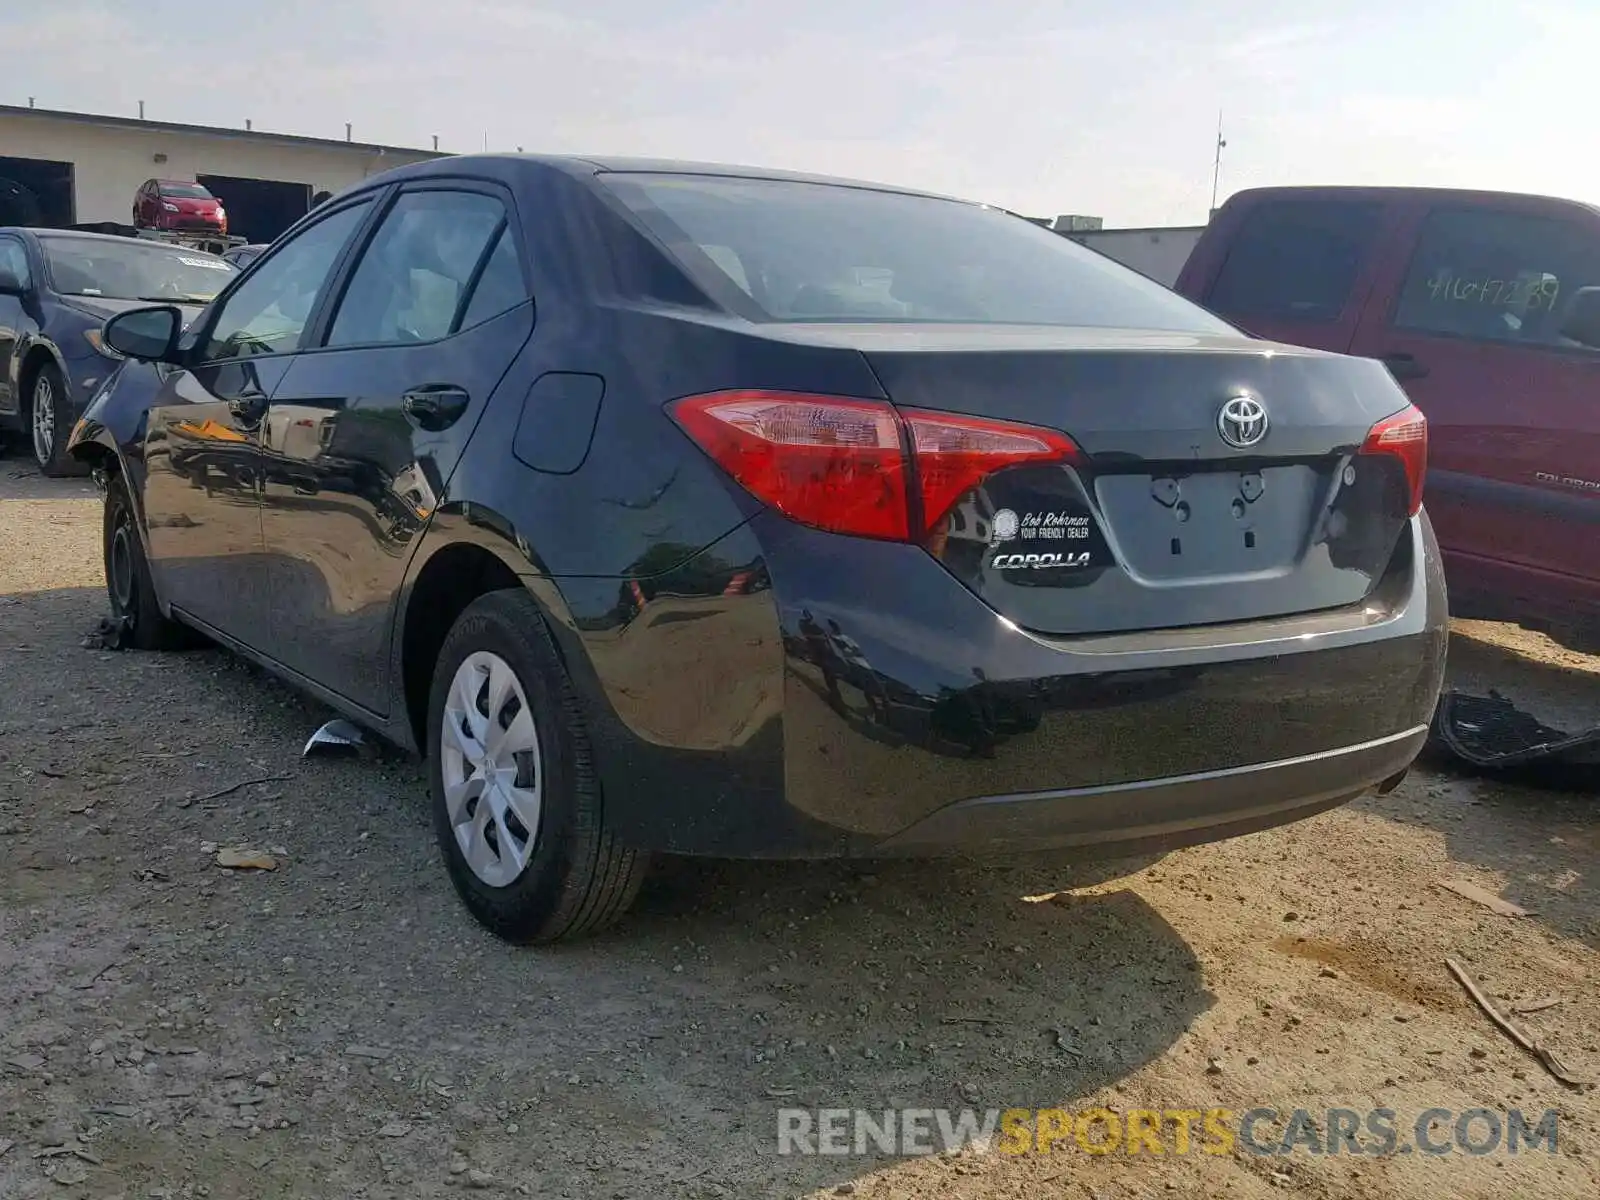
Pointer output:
x,y
789,747
243,256
753,686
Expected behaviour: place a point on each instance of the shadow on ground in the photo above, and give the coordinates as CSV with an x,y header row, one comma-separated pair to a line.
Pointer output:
x,y
733,990
894,985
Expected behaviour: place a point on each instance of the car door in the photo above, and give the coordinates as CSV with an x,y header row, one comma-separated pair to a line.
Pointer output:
x,y
1298,269
202,440
13,319
149,211
1513,411
366,427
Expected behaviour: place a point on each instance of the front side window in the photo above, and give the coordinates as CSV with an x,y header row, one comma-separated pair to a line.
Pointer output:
x,y
124,269
782,250
1296,260
1496,276
412,280
14,258
268,314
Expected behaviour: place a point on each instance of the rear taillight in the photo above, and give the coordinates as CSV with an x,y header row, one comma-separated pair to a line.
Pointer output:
x,y
841,464
955,454
1404,435
836,464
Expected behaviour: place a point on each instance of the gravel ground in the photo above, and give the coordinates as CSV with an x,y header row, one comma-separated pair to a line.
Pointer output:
x,y
339,1027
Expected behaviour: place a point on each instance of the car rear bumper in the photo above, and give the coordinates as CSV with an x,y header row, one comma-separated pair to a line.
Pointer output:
x,y
1163,814
728,724
192,224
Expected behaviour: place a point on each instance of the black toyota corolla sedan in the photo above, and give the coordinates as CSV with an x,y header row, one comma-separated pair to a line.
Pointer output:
x,y
715,511
57,287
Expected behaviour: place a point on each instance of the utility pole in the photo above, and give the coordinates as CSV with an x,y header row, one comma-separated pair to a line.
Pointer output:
x,y
1216,166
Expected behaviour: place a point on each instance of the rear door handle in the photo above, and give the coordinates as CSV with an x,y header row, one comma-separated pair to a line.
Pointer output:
x,y
436,406
1404,366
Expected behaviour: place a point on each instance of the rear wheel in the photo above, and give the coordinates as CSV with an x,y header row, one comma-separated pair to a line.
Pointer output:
x,y
129,585
516,802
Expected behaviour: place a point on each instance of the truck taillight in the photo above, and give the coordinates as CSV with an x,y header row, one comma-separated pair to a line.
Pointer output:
x,y
841,464
1404,435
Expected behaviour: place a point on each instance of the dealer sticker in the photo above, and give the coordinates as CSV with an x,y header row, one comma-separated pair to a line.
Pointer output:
x,y
1007,525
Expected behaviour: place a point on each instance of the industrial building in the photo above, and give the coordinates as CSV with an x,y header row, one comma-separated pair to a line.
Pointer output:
x,y
1157,252
66,168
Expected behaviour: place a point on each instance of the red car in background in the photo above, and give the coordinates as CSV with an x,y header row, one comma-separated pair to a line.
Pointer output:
x,y
1486,308
178,206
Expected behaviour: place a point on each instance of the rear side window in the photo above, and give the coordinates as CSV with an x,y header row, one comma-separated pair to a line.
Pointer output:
x,y
781,250
1296,260
414,275
1496,276
500,285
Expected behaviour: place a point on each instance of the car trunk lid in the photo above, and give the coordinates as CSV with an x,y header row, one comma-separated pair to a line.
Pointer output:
x,y
1175,512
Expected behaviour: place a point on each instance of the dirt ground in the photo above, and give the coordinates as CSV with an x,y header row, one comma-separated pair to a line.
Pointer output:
x,y
339,1027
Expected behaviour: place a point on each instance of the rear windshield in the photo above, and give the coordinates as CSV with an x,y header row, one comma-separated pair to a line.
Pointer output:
x,y
786,251
186,191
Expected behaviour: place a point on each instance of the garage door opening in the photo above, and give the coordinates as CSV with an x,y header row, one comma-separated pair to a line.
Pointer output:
x,y
35,191
258,209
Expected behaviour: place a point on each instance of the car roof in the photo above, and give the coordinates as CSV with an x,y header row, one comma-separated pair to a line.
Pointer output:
x,y
1358,192
588,167
46,235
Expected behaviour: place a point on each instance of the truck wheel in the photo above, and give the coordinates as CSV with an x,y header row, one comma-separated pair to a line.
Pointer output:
x,y
516,802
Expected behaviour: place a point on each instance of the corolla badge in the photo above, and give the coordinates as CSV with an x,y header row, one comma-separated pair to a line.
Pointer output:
x,y
1242,422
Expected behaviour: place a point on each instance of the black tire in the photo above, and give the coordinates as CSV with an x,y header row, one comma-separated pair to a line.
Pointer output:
x,y
49,387
579,878
129,585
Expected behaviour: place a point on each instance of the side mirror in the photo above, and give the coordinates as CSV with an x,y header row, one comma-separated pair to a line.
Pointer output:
x,y
148,334
1581,323
10,285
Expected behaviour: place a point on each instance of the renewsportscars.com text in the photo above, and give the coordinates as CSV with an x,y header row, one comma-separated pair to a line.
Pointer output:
x,y
1171,1131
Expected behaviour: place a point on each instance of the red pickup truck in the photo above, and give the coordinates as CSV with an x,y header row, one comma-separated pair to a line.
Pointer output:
x,y
1486,308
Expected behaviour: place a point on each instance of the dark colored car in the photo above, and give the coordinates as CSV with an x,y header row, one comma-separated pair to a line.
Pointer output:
x,y
178,206
243,256
739,513
1486,307
56,290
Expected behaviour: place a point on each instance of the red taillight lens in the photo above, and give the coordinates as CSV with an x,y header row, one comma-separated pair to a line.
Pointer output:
x,y
836,464
954,454
1404,435
840,464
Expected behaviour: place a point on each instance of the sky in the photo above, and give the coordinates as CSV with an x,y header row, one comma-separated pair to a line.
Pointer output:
x,y
1046,108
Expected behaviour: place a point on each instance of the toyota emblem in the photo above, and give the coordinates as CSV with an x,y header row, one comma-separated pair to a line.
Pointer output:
x,y
1242,422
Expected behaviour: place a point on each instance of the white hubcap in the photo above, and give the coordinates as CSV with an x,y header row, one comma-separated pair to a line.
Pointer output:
x,y
44,419
493,772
